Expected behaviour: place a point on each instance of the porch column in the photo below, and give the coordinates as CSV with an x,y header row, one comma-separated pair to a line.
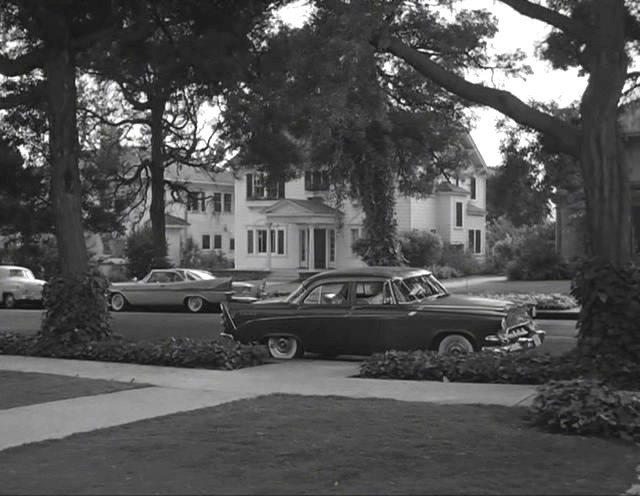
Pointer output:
x,y
269,246
311,250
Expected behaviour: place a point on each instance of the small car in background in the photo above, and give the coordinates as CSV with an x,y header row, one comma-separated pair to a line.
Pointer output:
x,y
374,309
192,288
19,286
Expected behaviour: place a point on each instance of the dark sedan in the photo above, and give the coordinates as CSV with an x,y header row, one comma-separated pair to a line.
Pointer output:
x,y
373,309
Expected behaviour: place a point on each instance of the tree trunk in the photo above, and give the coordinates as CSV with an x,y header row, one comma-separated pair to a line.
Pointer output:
x,y
158,224
604,169
65,175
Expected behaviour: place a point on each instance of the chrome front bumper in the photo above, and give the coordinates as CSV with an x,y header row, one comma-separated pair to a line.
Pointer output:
x,y
533,340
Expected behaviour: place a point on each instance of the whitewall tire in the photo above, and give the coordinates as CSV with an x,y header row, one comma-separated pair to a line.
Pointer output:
x,y
195,304
455,344
117,302
284,347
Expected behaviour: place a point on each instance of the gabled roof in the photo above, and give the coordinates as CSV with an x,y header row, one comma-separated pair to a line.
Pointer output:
x,y
446,187
308,207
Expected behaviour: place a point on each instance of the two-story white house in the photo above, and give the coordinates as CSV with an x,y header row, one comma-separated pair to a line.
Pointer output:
x,y
295,226
205,213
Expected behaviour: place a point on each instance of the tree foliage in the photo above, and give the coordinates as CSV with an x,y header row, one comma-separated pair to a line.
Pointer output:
x,y
198,50
321,97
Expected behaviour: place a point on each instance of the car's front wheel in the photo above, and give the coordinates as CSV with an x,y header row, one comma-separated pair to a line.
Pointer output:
x,y
117,302
9,301
195,304
284,347
455,344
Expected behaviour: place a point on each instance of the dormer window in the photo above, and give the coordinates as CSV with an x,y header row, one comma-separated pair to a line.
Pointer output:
x,y
316,180
261,187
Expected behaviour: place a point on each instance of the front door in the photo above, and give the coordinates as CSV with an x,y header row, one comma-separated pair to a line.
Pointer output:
x,y
320,248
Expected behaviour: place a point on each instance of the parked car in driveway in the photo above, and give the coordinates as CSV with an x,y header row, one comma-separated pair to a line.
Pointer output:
x,y
192,288
374,309
18,286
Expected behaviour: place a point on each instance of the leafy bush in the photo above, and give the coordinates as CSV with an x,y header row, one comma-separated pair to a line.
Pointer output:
x,y
191,256
139,253
444,271
462,261
610,300
587,407
542,301
215,260
182,352
76,309
41,257
420,248
491,367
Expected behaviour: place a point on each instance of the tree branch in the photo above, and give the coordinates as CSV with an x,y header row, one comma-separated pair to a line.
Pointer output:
x,y
22,65
31,97
571,27
562,136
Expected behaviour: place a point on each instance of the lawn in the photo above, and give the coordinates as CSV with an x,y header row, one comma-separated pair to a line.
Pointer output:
x,y
323,445
27,388
515,287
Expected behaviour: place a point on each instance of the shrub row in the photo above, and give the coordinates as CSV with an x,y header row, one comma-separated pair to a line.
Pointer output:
x,y
542,301
587,407
498,368
174,352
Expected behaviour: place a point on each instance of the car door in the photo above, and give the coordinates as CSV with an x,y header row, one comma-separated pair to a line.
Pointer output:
x,y
321,317
152,289
378,323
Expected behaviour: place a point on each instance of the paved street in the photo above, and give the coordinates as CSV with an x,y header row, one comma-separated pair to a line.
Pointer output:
x,y
161,325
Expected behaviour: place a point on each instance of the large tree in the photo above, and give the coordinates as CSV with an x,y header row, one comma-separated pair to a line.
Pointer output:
x,y
42,42
199,49
600,37
321,98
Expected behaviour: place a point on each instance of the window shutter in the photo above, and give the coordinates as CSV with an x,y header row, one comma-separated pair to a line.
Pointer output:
x,y
249,179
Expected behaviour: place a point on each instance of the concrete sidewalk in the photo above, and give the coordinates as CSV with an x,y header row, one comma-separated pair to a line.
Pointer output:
x,y
177,390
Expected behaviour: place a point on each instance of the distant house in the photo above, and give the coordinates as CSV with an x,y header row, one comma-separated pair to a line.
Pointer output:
x,y
295,226
570,229
204,211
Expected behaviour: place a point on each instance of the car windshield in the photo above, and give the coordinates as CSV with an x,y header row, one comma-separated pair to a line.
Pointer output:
x,y
24,273
295,294
417,288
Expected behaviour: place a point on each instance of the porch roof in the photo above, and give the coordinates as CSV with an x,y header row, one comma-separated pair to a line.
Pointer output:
x,y
295,208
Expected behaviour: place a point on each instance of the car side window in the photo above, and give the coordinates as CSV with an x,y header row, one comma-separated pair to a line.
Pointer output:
x,y
373,293
328,294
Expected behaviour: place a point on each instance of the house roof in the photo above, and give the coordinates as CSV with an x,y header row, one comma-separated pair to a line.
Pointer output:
x,y
446,187
475,210
172,220
313,207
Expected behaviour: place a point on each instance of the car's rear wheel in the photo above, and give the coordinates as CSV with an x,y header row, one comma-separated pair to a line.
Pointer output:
x,y
284,347
195,304
118,302
9,300
455,344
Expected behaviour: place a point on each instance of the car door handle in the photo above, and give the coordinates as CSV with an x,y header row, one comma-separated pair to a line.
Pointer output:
x,y
411,314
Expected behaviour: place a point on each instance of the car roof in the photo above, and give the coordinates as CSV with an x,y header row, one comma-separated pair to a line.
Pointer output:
x,y
385,272
13,267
